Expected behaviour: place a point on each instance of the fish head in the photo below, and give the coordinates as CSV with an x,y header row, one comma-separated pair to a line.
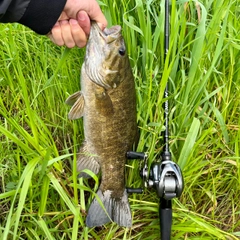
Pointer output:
x,y
106,57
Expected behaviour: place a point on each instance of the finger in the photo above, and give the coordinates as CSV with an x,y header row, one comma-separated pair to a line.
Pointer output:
x,y
66,34
63,16
79,36
84,21
96,14
91,7
56,35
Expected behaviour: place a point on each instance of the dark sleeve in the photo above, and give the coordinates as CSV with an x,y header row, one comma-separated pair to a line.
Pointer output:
x,y
39,15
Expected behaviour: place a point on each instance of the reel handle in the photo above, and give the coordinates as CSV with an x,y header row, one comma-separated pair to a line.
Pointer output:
x,y
131,155
136,155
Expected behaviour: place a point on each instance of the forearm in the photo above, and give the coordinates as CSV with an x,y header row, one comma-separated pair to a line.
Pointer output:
x,y
39,15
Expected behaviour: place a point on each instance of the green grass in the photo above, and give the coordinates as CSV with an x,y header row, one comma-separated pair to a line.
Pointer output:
x,y
40,195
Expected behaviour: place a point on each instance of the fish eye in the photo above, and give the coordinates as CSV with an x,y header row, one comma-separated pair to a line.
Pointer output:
x,y
121,51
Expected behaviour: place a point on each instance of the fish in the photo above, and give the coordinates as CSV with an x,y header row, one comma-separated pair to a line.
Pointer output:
x,y
107,103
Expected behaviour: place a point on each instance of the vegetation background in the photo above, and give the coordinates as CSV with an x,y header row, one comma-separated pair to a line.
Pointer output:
x,y
40,195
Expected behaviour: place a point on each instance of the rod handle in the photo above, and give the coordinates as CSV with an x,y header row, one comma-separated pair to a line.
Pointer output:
x,y
165,213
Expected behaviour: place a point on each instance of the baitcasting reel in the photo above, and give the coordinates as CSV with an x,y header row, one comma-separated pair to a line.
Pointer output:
x,y
165,176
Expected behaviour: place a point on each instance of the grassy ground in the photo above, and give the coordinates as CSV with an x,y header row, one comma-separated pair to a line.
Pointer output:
x,y
40,195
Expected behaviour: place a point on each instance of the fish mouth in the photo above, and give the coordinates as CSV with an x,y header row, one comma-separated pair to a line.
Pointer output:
x,y
108,34
114,30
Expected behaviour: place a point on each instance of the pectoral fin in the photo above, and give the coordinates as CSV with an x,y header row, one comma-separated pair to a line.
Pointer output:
x,y
77,102
73,98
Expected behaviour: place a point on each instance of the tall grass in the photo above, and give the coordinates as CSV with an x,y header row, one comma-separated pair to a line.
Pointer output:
x,y
40,195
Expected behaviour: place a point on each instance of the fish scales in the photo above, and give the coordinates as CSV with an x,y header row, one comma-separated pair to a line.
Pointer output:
x,y
107,102
111,135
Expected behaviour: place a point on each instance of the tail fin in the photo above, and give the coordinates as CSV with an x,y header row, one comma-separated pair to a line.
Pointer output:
x,y
118,210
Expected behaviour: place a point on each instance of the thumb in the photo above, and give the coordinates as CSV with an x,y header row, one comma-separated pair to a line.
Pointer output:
x,y
91,7
94,12
84,21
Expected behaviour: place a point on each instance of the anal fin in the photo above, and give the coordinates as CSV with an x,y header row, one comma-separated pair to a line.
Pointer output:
x,y
86,160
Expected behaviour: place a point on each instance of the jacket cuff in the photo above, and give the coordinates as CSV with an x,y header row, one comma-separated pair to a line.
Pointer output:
x,y
41,15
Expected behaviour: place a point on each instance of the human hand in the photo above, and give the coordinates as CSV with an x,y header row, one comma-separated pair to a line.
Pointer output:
x,y
73,26
71,32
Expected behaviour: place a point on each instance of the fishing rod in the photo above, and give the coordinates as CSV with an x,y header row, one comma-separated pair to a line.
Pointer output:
x,y
164,175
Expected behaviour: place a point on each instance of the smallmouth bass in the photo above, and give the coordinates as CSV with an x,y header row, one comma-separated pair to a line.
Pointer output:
x,y
107,103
